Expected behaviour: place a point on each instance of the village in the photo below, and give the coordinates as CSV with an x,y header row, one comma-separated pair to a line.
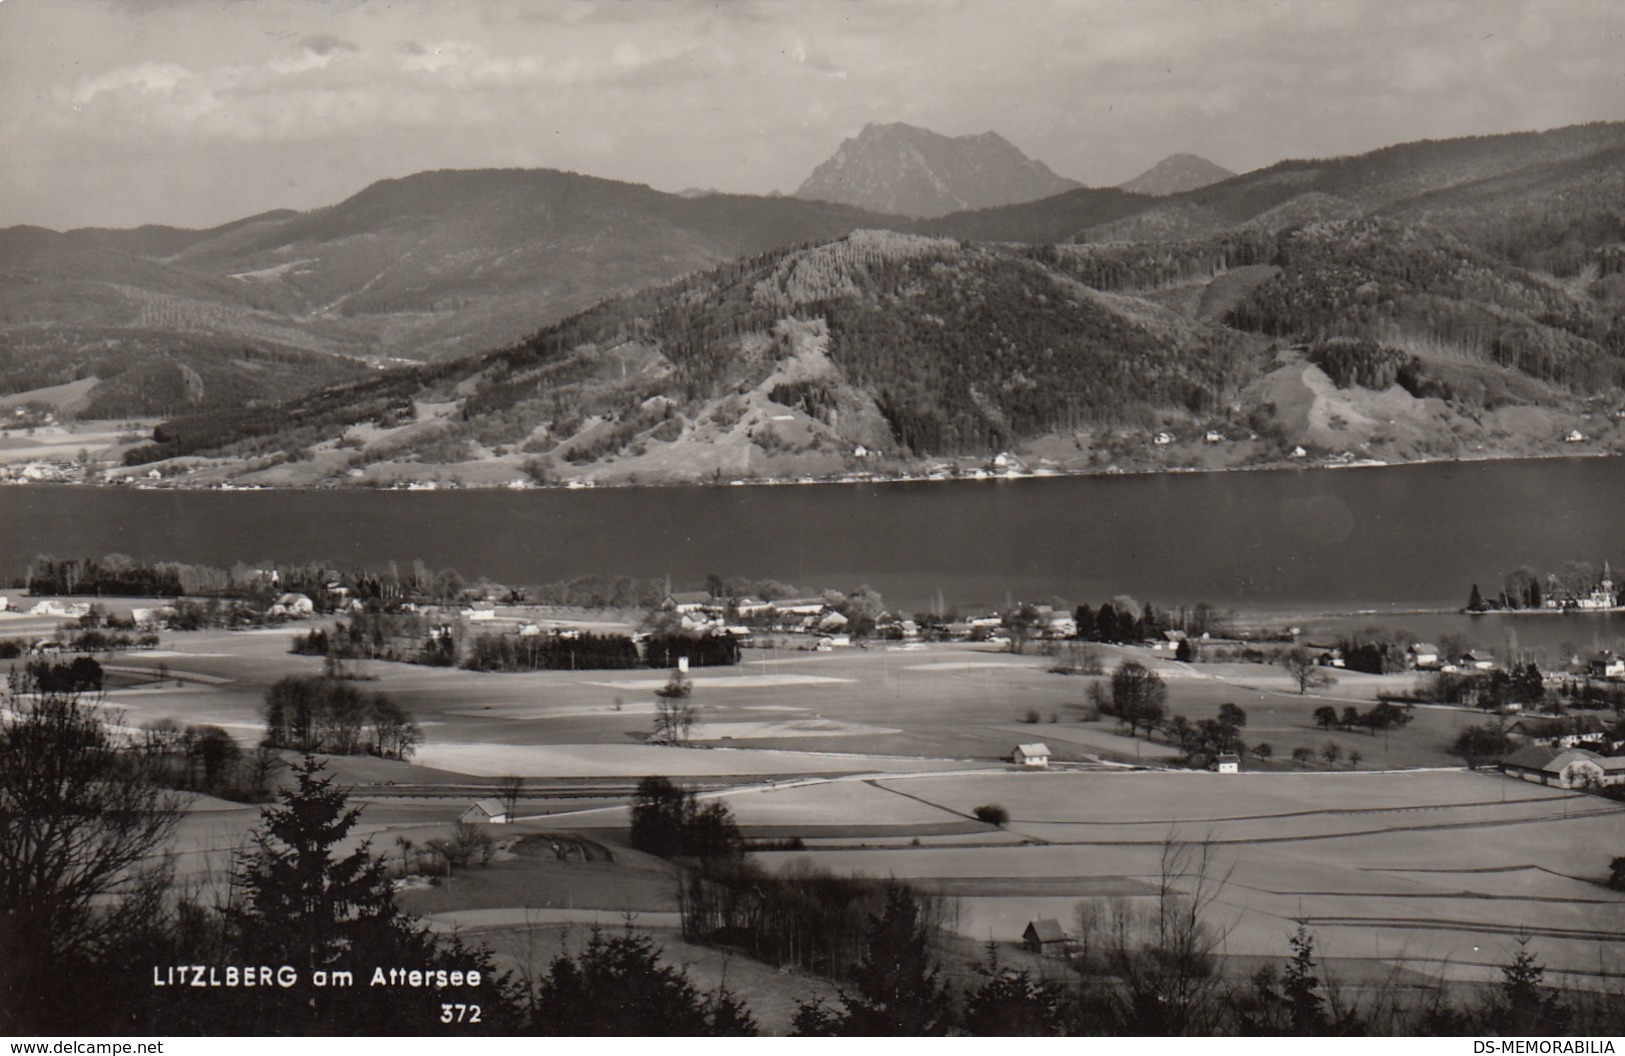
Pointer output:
x,y
984,758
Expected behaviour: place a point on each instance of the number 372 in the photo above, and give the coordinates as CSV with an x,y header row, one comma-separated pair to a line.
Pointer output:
x,y
459,1013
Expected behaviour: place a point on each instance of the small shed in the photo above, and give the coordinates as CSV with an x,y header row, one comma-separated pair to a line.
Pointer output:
x,y
1228,763
1035,754
486,811
1044,936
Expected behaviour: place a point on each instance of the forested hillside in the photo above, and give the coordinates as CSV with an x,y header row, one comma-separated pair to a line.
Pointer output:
x,y
1390,306
909,347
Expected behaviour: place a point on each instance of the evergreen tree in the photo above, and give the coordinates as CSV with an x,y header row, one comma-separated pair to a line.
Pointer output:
x,y
300,903
1525,1005
618,987
896,990
1475,600
1013,1004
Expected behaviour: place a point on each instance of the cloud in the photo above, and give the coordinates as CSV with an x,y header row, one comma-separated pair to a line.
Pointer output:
x,y
327,44
147,78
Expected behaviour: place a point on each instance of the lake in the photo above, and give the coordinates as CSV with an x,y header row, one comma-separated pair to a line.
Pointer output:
x,y
1282,540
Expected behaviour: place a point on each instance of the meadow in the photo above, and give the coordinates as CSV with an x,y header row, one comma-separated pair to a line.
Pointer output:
x,y
876,759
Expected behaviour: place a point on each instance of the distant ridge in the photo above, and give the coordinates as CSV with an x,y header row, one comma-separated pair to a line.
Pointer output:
x,y
1177,174
915,172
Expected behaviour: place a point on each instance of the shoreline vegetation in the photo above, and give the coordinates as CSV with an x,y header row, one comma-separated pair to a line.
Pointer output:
x,y
87,469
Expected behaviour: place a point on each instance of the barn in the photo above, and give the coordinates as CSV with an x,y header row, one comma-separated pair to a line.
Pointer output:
x,y
486,811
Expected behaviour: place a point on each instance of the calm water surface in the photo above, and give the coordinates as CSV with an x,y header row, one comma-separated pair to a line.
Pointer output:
x,y
1379,538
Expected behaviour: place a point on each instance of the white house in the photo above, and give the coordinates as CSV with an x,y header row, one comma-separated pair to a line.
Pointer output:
x,y
688,601
478,613
5,603
1606,665
294,605
1228,763
486,811
1035,754
1424,656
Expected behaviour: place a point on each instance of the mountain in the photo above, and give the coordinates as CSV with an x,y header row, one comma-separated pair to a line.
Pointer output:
x,y
1176,174
1521,193
915,172
1498,262
436,264
1351,339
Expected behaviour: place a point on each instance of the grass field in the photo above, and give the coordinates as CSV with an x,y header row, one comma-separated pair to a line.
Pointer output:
x,y
877,759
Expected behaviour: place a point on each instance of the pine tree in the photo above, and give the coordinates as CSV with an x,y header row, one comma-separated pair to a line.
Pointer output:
x,y
1300,987
1525,1005
299,903
1012,1003
1475,600
896,990
618,987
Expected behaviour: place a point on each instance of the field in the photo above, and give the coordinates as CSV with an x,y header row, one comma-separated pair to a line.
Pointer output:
x,y
876,759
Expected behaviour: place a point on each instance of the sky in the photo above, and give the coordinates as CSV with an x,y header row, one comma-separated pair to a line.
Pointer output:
x,y
197,112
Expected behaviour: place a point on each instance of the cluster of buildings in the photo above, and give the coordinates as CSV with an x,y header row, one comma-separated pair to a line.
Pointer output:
x,y
1602,597
61,471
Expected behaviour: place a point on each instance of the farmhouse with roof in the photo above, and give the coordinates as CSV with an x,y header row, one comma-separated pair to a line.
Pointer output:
x,y
1570,768
1035,754
1606,665
1044,936
690,601
486,811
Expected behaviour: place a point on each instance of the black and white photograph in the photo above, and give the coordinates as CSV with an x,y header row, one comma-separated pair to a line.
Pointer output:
x,y
820,518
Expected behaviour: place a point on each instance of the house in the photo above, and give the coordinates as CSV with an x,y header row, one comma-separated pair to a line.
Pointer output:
x,y
1228,763
478,613
1559,732
1168,642
5,603
688,601
1424,656
831,621
799,606
1579,768
295,606
1035,754
63,609
1575,437
1212,436
1602,596
486,811
1606,665
1163,439
1570,768
1529,762
747,607
1477,660
1044,936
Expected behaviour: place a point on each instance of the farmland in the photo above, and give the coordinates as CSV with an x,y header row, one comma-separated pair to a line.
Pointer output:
x,y
873,761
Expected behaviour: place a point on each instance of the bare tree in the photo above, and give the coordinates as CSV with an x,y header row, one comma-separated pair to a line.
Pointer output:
x,y
1164,958
79,822
1300,665
674,711
509,788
